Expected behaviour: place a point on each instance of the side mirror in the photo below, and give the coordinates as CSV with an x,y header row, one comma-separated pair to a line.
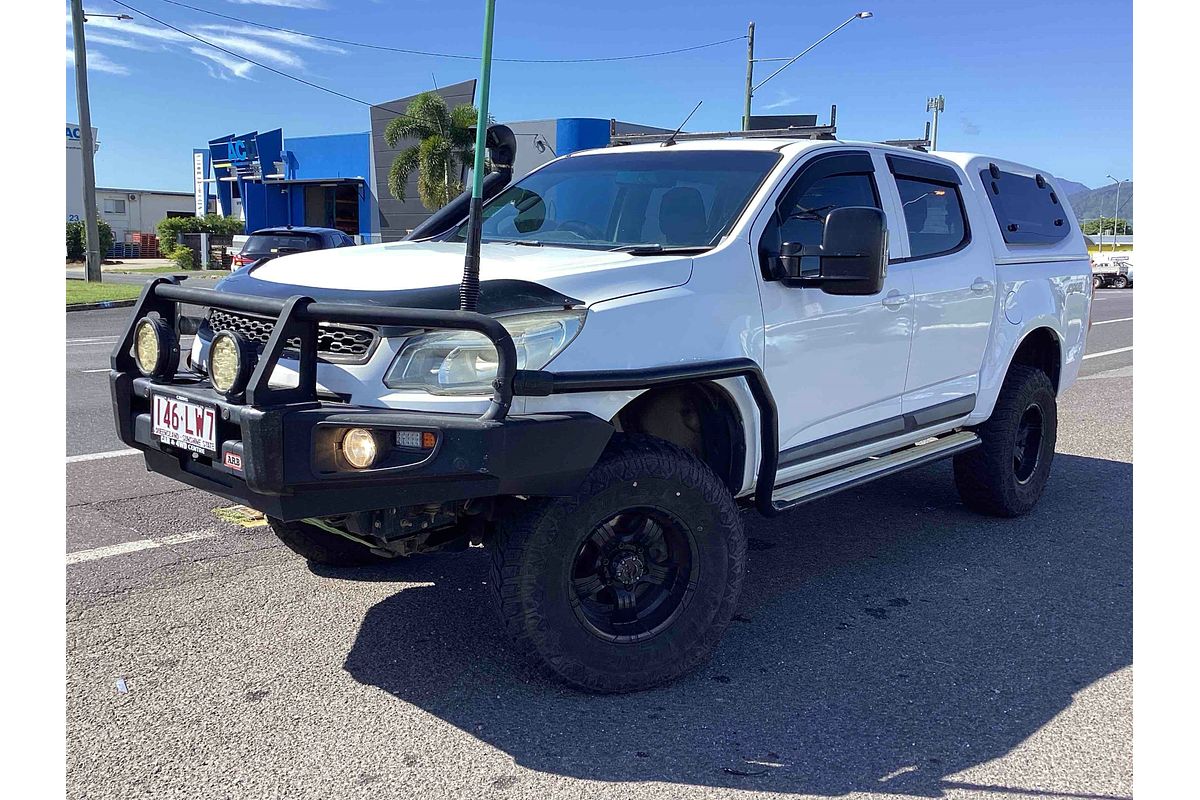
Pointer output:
x,y
852,254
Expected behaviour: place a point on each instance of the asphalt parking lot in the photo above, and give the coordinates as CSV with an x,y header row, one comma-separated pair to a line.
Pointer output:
x,y
888,643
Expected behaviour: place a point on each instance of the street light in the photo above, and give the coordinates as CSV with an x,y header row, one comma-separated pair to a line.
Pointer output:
x,y
1116,209
751,87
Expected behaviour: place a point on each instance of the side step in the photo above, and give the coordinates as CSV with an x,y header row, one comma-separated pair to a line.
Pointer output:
x,y
856,474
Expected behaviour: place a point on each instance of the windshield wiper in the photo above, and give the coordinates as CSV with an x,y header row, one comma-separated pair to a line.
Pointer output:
x,y
656,249
521,242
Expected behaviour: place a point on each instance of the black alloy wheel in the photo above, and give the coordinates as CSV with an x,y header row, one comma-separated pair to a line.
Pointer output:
x,y
1027,448
633,575
1006,474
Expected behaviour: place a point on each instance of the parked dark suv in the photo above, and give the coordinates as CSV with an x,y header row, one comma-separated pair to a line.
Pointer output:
x,y
268,243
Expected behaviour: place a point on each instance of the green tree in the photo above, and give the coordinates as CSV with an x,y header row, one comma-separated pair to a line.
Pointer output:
x,y
445,145
77,239
1091,227
170,228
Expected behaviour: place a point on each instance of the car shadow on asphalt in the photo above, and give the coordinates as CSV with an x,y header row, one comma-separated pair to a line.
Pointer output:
x,y
886,639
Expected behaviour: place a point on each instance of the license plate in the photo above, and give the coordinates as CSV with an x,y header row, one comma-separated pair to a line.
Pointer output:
x,y
188,425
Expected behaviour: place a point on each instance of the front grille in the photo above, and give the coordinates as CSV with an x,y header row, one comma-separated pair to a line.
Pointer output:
x,y
341,343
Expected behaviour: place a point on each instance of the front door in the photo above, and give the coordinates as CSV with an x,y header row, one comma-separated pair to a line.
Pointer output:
x,y
836,364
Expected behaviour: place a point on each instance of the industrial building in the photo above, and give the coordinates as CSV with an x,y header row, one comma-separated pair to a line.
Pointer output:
x,y
127,211
340,180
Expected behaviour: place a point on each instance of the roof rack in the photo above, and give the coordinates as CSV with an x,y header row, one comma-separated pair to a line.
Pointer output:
x,y
922,145
814,132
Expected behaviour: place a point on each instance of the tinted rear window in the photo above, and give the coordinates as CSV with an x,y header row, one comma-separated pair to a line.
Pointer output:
x,y
1028,210
276,242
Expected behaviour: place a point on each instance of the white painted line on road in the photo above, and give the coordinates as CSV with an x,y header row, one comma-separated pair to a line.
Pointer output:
x,y
98,456
1108,353
89,371
92,339
1111,321
121,549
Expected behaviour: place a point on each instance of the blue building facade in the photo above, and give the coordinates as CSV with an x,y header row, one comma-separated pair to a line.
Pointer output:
x,y
340,180
321,181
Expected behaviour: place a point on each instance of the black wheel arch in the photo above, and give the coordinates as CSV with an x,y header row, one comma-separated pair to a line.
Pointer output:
x,y
1042,349
700,417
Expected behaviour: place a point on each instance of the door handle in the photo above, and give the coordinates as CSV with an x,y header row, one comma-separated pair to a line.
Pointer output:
x,y
980,286
894,301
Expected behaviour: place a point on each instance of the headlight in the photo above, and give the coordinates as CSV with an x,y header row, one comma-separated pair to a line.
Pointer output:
x,y
155,348
464,362
230,359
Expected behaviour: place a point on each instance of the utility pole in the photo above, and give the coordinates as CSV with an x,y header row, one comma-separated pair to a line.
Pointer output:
x,y
937,105
751,88
749,76
92,252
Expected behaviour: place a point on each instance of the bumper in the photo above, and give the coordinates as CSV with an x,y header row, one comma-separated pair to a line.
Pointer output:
x,y
275,445
278,459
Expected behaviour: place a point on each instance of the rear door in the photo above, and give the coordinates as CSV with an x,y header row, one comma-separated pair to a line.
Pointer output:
x,y
836,364
954,285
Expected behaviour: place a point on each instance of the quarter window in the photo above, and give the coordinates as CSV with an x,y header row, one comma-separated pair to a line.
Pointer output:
x,y
933,214
1028,210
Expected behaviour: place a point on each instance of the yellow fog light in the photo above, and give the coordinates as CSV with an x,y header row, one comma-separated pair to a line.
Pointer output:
x,y
229,362
155,348
360,448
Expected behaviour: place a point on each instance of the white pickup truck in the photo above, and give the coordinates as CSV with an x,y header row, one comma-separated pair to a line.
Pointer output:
x,y
667,333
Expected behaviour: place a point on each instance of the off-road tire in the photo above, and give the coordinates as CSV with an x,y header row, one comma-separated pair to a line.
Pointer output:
x,y
323,547
535,549
985,476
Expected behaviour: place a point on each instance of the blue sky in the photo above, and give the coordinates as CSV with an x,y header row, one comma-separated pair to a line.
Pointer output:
x,y
1048,83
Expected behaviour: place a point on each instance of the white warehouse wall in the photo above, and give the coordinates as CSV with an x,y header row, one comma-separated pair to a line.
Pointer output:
x,y
143,209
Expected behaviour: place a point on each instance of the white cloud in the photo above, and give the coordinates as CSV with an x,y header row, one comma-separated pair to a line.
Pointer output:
x,y
261,51
280,49
227,66
94,37
283,37
98,62
784,100
281,3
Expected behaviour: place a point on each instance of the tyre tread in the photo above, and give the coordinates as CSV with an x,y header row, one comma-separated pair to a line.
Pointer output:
x,y
627,457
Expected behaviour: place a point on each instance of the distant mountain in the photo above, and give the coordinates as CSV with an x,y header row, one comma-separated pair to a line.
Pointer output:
x,y
1093,203
1070,188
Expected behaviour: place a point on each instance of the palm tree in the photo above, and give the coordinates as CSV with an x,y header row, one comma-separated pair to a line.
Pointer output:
x,y
446,144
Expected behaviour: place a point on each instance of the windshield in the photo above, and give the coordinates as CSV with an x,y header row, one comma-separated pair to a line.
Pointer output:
x,y
276,242
668,199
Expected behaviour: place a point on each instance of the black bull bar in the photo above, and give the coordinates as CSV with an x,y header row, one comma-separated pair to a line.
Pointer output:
x,y
297,319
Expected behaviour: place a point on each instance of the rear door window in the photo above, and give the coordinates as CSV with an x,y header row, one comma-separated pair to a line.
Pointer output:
x,y
1027,209
274,243
933,214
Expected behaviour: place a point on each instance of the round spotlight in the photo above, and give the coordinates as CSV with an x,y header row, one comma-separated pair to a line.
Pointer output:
x,y
360,448
230,359
155,348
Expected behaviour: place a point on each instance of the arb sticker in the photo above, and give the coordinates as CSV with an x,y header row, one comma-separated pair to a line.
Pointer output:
x,y
233,460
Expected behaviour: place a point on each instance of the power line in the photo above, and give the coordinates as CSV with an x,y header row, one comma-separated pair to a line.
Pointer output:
x,y
459,56
227,51
278,72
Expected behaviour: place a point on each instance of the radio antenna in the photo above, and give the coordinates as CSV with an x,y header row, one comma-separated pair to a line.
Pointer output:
x,y
671,140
